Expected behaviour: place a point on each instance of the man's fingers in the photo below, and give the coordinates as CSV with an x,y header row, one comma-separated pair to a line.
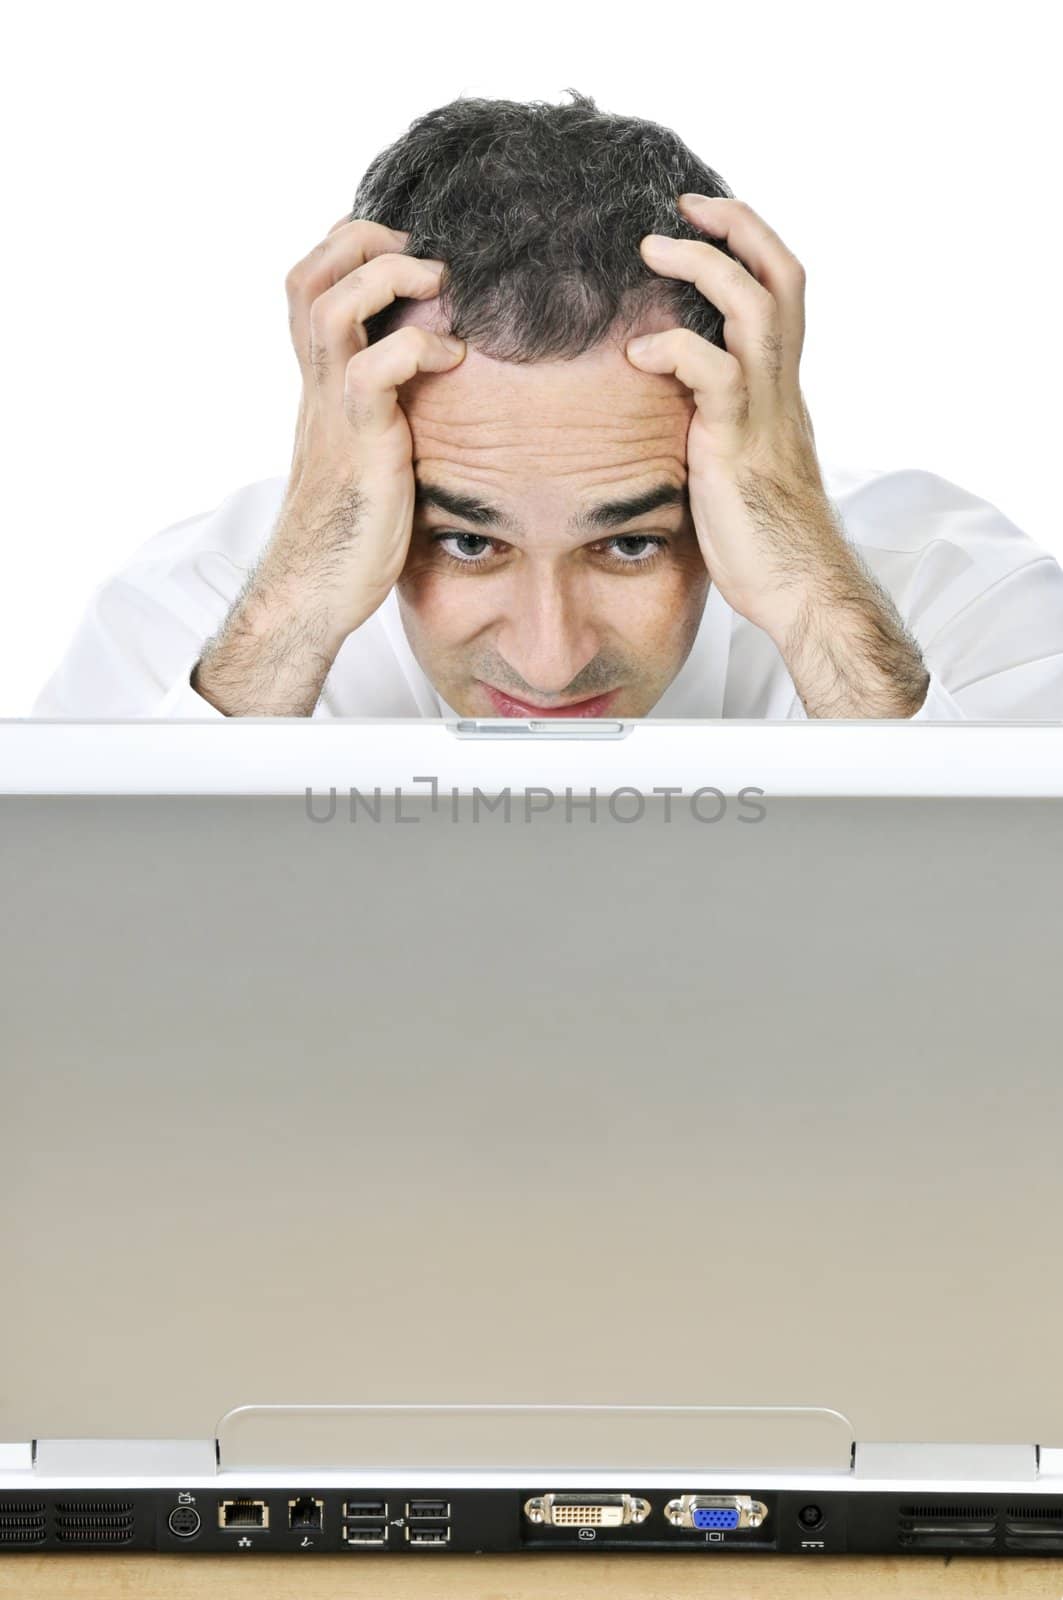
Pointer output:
x,y
349,244
714,375
374,374
770,262
337,317
398,233
750,311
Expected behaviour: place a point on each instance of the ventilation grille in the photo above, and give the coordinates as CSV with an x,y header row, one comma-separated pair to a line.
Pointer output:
x,y
947,1527
94,1522
1032,1513
1032,1527
950,1513
21,1523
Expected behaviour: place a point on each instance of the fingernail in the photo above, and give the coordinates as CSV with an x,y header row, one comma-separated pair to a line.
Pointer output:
x,y
638,346
452,342
695,199
660,241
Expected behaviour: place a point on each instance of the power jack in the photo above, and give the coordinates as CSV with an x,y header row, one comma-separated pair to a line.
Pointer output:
x,y
811,1516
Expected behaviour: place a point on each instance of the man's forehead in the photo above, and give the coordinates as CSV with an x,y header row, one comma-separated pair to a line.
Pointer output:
x,y
600,388
588,444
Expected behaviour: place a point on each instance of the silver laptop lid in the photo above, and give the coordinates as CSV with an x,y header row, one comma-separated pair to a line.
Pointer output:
x,y
307,1104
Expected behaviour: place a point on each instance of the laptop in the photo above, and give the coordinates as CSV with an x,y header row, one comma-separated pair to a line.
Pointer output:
x,y
427,1138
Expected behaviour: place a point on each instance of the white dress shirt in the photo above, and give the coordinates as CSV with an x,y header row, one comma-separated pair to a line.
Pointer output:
x,y
983,600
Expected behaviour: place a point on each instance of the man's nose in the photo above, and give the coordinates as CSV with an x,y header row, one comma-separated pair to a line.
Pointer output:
x,y
548,636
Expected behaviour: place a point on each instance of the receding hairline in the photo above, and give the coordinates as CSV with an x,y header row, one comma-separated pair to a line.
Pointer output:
x,y
538,211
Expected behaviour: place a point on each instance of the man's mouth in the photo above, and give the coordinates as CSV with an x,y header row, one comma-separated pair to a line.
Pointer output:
x,y
507,705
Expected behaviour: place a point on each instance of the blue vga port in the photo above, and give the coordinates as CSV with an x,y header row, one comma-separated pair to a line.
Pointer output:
x,y
716,1517
712,1513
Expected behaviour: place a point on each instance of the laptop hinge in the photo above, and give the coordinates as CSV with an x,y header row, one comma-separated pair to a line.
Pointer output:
x,y
956,1462
120,1458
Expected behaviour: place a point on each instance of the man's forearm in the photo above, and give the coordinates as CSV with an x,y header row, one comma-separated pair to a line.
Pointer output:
x,y
272,654
848,651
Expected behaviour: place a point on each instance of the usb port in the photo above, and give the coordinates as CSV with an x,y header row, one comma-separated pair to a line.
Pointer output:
x,y
428,1508
366,1533
428,1536
366,1508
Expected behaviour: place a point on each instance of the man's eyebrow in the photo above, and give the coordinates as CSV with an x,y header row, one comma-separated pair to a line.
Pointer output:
x,y
609,514
614,513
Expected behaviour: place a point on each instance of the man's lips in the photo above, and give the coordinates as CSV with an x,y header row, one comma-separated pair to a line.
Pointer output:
x,y
507,706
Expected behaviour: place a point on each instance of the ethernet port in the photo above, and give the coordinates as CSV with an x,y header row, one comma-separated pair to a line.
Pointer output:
x,y
306,1512
243,1514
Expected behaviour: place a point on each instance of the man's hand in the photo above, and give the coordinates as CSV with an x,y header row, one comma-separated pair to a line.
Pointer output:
x,y
343,531
772,541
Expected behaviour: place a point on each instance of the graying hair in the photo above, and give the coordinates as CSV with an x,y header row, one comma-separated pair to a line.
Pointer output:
x,y
537,211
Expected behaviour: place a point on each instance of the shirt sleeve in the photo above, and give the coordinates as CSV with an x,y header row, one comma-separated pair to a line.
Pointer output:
x,y
130,656
181,700
995,647
983,601
939,705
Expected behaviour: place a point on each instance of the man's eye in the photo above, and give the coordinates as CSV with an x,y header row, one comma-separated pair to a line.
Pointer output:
x,y
625,549
641,556
465,557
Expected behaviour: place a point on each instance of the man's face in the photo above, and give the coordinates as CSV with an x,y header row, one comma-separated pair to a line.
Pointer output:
x,y
519,610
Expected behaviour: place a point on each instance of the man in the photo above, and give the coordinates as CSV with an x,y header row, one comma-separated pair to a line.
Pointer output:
x,y
552,459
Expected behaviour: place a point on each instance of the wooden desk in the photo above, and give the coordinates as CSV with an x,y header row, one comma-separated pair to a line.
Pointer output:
x,y
525,1577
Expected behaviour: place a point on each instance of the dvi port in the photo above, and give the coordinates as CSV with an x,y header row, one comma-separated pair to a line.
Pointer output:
x,y
715,1512
586,1510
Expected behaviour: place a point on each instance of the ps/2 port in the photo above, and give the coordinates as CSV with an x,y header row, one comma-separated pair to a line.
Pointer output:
x,y
184,1521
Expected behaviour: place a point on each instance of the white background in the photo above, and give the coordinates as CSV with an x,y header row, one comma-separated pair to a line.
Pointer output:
x,y
165,164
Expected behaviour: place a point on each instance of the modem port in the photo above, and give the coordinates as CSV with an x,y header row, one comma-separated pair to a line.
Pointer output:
x,y
306,1512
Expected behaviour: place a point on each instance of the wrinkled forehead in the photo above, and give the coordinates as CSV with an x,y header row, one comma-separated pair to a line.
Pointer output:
x,y
595,407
